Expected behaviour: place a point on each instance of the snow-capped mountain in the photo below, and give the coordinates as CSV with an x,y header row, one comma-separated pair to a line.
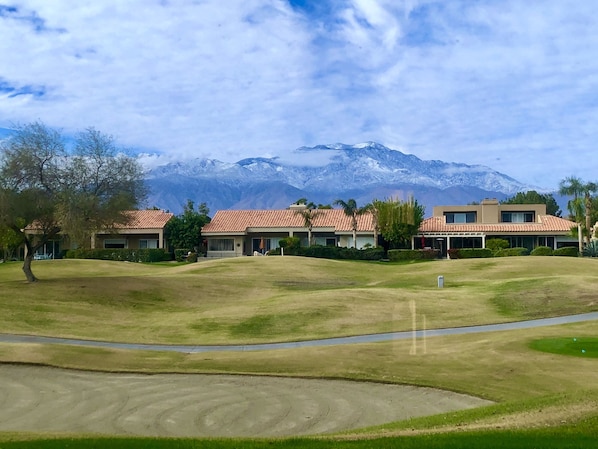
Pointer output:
x,y
322,174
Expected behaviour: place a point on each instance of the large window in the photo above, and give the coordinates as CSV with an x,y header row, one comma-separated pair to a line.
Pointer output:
x,y
460,217
517,217
221,244
148,243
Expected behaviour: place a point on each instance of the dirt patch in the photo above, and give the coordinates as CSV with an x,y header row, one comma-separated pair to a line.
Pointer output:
x,y
41,399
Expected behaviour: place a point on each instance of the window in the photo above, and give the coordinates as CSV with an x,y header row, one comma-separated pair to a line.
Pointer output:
x,y
148,243
460,217
221,244
517,217
115,243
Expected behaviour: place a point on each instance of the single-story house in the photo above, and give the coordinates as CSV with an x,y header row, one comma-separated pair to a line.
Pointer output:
x,y
522,225
233,233
145,229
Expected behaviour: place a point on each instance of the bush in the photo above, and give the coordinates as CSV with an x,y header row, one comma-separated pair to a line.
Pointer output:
x,y
332,252
542,251
591,249
567,251
412,254
128,255
509,252
469,253
474,253
181,254
192,257
497,244
289,243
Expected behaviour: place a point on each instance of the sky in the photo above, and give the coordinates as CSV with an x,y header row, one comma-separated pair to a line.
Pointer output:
x,y
510,84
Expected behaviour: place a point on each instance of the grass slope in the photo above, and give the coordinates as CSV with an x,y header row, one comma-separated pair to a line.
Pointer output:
x,y
540,395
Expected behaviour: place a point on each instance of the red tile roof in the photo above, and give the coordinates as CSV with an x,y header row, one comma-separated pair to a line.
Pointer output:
x,y
545,223
146,219
236,221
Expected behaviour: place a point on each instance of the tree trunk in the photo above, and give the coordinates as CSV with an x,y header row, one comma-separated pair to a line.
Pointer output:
x,y
355,238
27,268
588,211
308,236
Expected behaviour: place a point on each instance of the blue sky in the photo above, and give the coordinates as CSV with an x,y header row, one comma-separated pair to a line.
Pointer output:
x,y
511,84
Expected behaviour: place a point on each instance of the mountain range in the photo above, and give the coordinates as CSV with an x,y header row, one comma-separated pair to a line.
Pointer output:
x,y
323,174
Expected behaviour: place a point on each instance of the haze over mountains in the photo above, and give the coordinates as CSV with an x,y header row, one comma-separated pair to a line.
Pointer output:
x,y
323,174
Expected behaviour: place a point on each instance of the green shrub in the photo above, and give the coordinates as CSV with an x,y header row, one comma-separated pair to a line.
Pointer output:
x,y
120,254
508,252
332,252
181,254
289,243
469,253
192,257
591,249
567,251
412,254
542,251
497,244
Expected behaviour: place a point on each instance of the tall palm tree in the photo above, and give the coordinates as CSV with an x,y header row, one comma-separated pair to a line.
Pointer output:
x,y
581,204
374,209
350,208
308,215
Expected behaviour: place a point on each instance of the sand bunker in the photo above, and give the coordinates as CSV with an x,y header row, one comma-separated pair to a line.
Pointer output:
x,y
42,399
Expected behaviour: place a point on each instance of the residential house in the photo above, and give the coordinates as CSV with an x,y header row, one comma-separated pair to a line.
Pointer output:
x,y
233,233
522,225
145,229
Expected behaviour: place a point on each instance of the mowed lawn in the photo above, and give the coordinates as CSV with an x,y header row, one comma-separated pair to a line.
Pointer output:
x,y
538,394
271,299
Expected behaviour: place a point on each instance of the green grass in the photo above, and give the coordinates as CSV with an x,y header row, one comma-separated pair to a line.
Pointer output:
x,y
586,347
582,435
250,300
269,299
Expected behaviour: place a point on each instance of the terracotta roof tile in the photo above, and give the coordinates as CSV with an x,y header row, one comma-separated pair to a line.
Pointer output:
x,y
545,223
146,219
237,221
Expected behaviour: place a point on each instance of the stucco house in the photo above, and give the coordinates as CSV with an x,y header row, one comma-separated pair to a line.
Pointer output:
x,y
233,233
523,225
145,229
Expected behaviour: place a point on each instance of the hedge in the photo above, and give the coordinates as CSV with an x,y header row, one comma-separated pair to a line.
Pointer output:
x,y
568,251
542,251
508,252
470,253
333,252
120,254
412,254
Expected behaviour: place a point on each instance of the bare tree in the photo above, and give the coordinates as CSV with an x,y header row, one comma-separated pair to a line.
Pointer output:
x,y
46,190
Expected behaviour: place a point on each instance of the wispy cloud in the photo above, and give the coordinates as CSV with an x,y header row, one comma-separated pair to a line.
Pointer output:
x,y
508,84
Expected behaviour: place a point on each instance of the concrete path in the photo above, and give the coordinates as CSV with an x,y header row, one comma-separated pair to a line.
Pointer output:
x,y
371,338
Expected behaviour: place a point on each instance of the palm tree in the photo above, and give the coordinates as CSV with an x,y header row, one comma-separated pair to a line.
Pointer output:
x,y
350,208
374,209
578,206
308,215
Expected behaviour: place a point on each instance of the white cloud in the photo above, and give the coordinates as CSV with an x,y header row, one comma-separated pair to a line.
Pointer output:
x,y
506,84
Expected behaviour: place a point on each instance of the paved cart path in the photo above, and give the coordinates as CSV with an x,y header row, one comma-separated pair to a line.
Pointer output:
x,y
370,338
